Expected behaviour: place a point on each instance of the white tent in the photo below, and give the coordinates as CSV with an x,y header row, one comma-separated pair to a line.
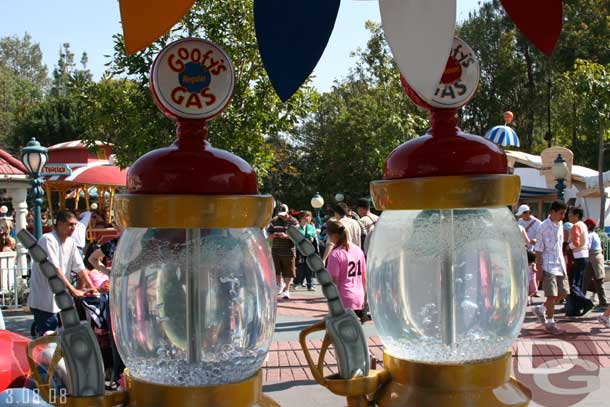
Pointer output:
x,y
584,184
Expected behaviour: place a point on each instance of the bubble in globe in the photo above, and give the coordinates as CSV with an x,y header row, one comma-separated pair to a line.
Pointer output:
x,y
193,307
447,286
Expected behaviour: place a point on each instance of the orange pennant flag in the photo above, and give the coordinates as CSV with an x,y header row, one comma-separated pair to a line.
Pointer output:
x,y
144,21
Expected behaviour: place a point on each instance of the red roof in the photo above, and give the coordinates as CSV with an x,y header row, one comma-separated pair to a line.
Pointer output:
x,y
75,151
109,175
100,173
9,165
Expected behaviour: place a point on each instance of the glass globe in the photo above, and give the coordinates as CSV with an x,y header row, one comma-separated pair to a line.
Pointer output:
x,y
193,307
447,286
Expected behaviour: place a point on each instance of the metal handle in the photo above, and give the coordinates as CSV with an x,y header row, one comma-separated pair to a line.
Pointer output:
x,y
44,387
81,352
356,389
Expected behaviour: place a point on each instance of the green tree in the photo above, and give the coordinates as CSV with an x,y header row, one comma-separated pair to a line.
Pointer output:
x,y
512,72
67,78
118,109
343,145
24,59
54,120
8,104
516,76
255,112
592,85
23,81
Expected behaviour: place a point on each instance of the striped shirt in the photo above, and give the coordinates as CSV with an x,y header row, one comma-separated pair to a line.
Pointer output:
x,y
282,247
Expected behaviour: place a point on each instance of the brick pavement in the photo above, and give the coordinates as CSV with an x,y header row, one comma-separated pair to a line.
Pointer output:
x,y
287,376
585,339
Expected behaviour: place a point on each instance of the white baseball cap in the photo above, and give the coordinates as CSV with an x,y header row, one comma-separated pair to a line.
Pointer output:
x,y
522,208
283,210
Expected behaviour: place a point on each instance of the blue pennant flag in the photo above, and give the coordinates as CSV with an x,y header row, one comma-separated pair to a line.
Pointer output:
x,y
292,35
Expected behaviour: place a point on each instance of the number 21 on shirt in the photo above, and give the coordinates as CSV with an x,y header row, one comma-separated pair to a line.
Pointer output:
x,y
351,270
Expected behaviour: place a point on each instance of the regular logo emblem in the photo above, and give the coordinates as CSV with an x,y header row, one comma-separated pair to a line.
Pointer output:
x,y
192,79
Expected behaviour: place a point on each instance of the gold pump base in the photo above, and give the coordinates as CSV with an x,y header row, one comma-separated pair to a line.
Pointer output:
x,y
247,393
479,384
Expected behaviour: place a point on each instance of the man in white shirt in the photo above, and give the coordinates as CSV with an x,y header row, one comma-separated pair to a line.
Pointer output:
x,y
354,229
530,223
80,231
549,259
62,252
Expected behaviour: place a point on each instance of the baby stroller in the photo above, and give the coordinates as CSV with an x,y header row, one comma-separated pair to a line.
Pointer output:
x,y
95,310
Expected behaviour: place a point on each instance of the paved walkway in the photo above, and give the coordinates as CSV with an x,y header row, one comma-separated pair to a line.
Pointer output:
x,y
571,370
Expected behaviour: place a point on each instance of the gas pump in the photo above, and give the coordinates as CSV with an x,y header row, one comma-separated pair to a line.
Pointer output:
x,y
447,271
193,286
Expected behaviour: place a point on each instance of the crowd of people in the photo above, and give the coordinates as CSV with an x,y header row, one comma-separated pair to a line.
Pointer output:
x,y
564,256
342,242
565,260
564,252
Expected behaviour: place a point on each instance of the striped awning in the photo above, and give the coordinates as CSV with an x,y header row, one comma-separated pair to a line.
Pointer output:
x,y
76,144
534,192
95,173
503,136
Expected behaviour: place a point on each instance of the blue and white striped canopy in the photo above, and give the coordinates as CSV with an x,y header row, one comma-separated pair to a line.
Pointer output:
x,y
503,136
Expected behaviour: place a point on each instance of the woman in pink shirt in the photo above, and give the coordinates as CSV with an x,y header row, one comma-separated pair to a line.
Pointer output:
x,y
347,268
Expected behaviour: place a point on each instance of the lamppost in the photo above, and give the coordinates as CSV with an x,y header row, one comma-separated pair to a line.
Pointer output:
x,y
560,172
339,197
317,202
34,157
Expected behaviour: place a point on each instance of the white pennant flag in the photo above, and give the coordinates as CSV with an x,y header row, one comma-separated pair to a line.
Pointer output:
x,y
420,34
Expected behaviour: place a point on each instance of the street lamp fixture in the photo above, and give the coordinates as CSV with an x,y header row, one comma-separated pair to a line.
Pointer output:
x,y
560,171
317,202
34,157
339,197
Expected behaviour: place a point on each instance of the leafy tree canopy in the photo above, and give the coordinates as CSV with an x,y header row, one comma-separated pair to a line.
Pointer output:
x,y
255,112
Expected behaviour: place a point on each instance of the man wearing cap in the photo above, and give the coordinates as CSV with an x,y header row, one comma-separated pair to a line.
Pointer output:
x,y
282,249
530,223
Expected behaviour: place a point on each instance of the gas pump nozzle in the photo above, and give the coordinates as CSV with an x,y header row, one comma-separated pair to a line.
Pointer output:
x,y
342,325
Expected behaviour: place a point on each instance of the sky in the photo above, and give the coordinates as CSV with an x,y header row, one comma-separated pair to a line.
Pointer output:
x,y
88,25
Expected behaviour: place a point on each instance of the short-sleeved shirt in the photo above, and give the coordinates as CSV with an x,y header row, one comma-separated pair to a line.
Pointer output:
x,y
369,221
308,231
98,279
348,269
549,242
80,232
595,243
65,257
282,247
354,230
531,228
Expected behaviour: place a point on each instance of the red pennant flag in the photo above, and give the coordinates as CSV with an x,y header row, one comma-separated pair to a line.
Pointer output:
x,y
539,20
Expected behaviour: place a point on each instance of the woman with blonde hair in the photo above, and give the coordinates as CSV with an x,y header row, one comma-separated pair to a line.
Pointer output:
x,y
5,229
347,267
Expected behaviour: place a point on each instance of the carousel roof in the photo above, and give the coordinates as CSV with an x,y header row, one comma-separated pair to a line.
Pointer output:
x,y
101,173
